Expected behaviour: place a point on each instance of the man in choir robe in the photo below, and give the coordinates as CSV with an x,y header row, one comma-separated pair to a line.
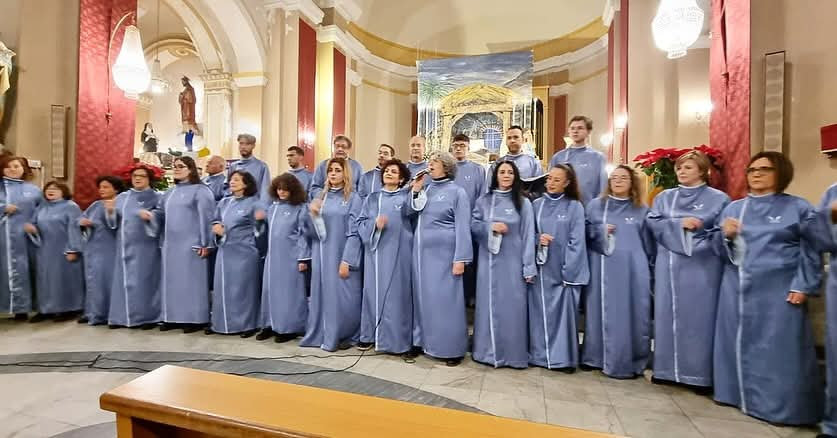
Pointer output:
x,y
589,164
471,177
253,166
417,148
340,148
370,182
528,165
215,179
297,168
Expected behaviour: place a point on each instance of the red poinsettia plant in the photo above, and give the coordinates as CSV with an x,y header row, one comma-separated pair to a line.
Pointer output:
x,y
659,163
159,181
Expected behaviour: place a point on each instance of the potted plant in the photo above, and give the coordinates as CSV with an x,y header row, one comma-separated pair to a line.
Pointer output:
x,y
659,165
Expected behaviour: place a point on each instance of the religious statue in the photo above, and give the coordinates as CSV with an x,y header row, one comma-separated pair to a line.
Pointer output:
x,y
6,80
187,105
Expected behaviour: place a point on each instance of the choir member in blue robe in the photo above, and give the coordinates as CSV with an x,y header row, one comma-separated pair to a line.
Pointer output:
x,y
237,285
687,275
19,200
504,227
183,222
386,321
824,238
442,247
529,166
99,251
417,163
370,182
617,316
284,309
252,165
60,275
216,180
135,291
471,177
764,359
562,271
589,164
336,284
340,149
296,167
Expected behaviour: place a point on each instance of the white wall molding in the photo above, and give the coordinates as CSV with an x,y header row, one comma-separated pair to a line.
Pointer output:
x,y
307,8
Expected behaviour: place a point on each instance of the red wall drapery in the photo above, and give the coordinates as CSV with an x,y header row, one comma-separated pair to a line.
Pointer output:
x,y
101,145
729,84
307,81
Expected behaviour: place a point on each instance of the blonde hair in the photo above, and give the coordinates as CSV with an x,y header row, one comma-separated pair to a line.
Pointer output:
x,y
636,186
700,159
347,176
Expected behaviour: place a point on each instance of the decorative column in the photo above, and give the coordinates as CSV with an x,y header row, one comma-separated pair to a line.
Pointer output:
x,y
217,129
353,79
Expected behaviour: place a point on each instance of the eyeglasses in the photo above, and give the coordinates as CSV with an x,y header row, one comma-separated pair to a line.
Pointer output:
x,y
180,166
760,169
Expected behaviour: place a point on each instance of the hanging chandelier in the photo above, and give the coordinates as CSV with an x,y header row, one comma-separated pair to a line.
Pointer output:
x,y
677,26
130,72
159,84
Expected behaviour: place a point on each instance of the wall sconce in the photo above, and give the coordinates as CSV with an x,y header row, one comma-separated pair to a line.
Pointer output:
x,y
703,110
308,138
606,140
621,121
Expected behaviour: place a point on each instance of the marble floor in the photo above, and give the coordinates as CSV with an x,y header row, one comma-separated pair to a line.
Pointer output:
x,y
62,368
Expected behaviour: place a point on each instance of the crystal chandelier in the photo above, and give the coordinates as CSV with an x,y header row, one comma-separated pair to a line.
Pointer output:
x,y
677,26
159,85
130,72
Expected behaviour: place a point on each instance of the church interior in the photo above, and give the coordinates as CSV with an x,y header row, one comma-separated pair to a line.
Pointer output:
x,y
90,86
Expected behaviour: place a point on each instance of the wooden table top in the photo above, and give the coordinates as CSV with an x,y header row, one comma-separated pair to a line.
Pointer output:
x,y
225,405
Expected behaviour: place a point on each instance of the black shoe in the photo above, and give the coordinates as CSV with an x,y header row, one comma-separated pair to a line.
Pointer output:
x,y
21,316
566,370
413,353
452,362
344,346
657,381
83,320
40,317
149,326
208,331
192,328
166,326
114,326
363,346
584,367
285,337
825,435
701,390
248,333
66,316
264,334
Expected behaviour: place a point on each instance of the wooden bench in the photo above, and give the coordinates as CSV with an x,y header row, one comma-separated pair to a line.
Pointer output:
x,y
176,402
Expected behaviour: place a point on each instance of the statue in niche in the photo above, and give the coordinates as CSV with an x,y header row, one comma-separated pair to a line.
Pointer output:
x,y
7,91
187,105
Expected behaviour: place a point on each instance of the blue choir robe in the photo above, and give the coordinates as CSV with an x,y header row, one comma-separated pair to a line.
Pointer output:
x,y
320,175
15,280
260,172
501,329
687,276
59,282
414,168
98,246
217,184
304,176
237,284
183,222
527,165
590,167
387,310
562,271
617,315
471,177
135,291
284,304
334,308
442,237
823,236
764,357
369,183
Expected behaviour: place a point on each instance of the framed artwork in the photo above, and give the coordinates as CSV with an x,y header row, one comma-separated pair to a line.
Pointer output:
x,y
58,140
774,101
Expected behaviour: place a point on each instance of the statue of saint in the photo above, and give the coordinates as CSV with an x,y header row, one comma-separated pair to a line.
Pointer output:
x,y
5,84
187,105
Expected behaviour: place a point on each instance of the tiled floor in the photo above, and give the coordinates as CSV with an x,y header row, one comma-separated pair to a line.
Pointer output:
x,y
49,403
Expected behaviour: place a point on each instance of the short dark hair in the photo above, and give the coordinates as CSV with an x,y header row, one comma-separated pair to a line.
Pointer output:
x,y
116,182
344,138
65,189
193,168
250,187
27,171
782,166
461,137
297,149
588,122
287,181
246,138
403,171
391,149
515,127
